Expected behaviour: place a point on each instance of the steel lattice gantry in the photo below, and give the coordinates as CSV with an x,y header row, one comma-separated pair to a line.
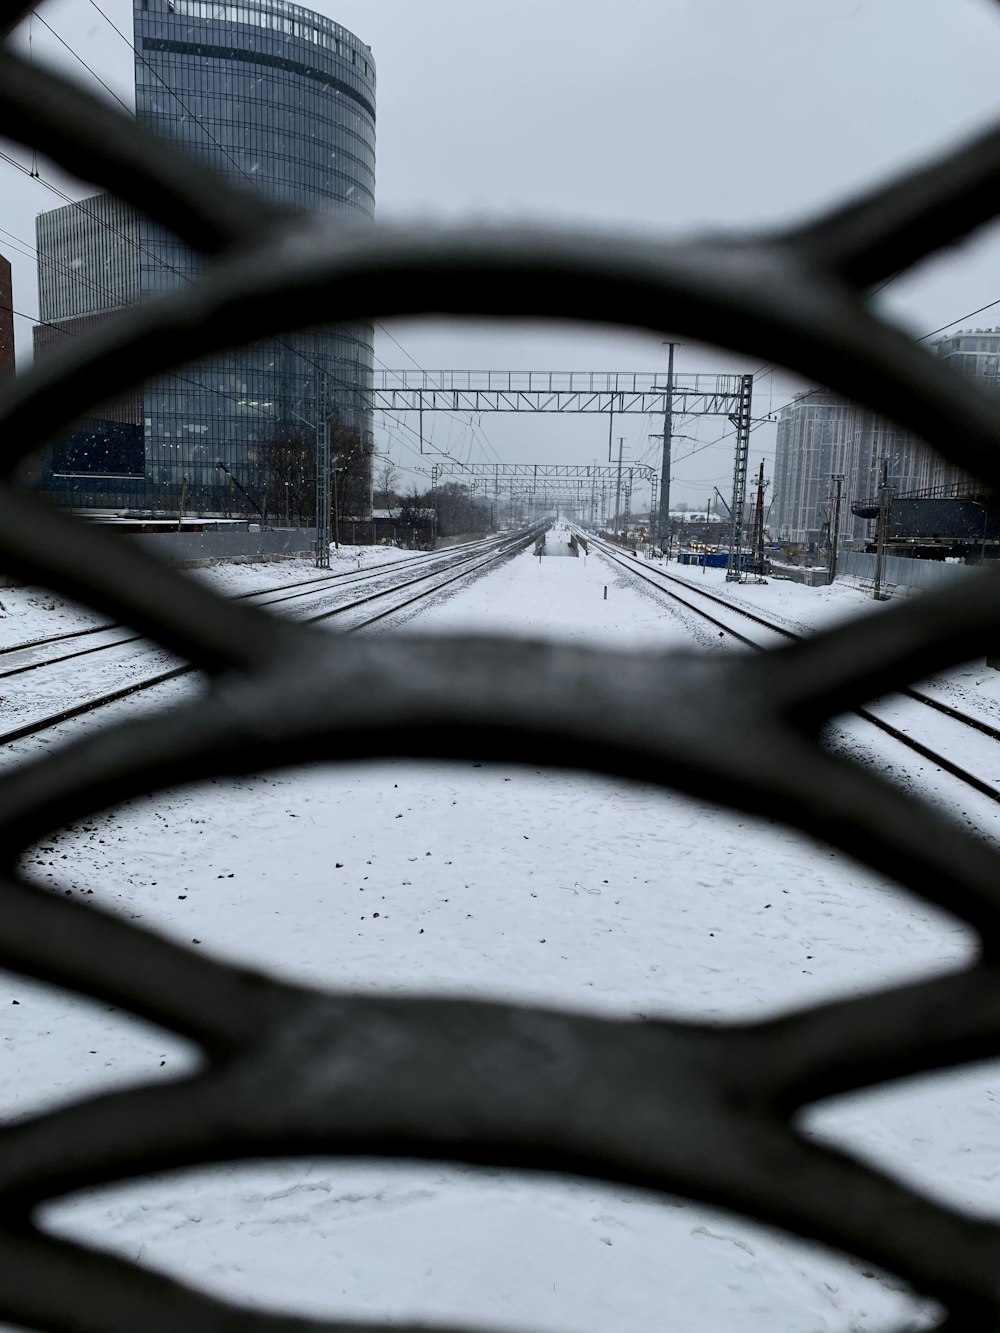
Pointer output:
x,y
541,472
584,485
593,392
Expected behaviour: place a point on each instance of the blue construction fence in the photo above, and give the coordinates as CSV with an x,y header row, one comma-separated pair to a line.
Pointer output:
x,y
711,560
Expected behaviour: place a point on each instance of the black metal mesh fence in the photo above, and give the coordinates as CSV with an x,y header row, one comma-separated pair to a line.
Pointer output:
x,y
707,1111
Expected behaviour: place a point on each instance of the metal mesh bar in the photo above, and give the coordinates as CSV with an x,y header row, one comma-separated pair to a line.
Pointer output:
x,y
703,1110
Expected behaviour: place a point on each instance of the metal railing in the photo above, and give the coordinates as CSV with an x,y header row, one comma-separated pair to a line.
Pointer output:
x,y
705,1110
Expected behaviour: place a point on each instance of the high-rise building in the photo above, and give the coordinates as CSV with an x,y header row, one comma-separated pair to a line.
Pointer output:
x,y
821,435
283,100
88,268
974,352
813,441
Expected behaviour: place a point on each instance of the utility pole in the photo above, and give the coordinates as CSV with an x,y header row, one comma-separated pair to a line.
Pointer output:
x,y
323,462
741,420
336,517
757,540
663,522
838,482
618,483
882,531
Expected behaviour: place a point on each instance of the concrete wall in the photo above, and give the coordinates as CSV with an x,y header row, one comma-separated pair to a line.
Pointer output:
x,y
232,544
899,571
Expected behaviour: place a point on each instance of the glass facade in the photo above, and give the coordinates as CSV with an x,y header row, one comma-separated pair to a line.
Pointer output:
x,y
88,268
820,434
88,258
280,99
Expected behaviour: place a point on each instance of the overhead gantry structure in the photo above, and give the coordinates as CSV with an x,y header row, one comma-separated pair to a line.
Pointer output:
x,y
611,393
587,486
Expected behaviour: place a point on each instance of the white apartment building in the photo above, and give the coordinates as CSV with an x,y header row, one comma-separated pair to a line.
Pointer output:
x,y
821,435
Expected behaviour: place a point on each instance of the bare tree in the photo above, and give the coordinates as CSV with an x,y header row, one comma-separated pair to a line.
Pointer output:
x,y
385,483
287,466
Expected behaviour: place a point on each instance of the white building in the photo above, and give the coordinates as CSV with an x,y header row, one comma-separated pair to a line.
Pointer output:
x,y
821,435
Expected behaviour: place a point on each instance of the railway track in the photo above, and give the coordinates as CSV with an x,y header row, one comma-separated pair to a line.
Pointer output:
x,y
406,589
890,715
52,646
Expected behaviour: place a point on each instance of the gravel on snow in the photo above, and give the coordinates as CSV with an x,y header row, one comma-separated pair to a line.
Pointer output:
x,y
522,885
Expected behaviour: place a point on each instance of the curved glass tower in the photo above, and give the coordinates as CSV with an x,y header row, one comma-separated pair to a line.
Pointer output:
x,y
279,97
282,100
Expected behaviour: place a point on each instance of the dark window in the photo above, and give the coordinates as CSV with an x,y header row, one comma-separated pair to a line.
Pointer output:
x,y
259,58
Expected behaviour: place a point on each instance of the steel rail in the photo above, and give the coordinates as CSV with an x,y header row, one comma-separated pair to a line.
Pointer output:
x,y
705,1110
909,691
273,596
964,775
468,564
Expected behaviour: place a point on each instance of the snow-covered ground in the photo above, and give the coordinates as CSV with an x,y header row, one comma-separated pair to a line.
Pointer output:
x,y
28,613
973,687
523,885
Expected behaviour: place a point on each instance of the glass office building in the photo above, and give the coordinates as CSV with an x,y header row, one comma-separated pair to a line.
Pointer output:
x,y
281,99
88,268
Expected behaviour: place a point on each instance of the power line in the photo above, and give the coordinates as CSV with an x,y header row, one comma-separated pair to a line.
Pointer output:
x,y
182,379
254,183
960,320
175,95
35,175
77,56
94,217
252,180
808,393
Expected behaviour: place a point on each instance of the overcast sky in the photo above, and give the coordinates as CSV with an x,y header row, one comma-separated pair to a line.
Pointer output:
x,y
656,115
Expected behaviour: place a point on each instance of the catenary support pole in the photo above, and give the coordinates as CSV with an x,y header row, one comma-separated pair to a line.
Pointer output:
x,y
881,531
757,543
323,463
741,420
336,516
618,483
838,482
663,519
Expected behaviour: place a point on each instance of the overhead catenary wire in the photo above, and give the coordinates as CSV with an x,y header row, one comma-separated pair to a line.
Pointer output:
x,y
246,175
808,393
484,444
173,93
30,251
93,73
182,379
